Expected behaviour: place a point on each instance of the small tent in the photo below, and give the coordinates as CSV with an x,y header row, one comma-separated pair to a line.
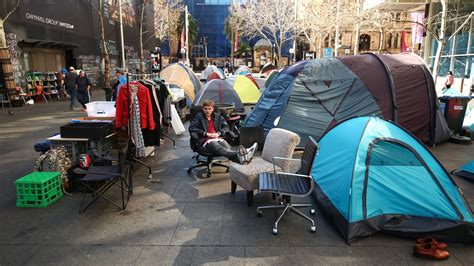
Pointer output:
x,y
243,70
214,75
466,171
267,69
246,89
221,93
312,96
183,77
212,69
372,175
249,76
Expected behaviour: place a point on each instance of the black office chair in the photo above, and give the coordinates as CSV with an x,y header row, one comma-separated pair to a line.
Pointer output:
x,y
288,185
210,160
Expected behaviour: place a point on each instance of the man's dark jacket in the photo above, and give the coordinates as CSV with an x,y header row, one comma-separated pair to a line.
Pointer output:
x,y
199,125
70,80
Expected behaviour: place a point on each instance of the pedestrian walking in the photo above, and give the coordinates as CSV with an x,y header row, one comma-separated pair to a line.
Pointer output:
x,y
83,89
449,80
70,84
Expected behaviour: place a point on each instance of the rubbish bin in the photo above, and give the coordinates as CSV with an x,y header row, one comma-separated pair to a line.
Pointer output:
x,y
454,109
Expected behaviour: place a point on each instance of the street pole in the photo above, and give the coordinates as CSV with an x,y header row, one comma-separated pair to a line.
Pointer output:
x,y
186,46
294,38
336,42
205,48
122,48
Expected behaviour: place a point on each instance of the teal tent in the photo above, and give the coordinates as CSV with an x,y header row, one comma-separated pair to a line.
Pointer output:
x,y
371,175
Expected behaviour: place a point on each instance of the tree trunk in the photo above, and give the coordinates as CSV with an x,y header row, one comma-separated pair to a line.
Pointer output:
x,y
232,51
380,41
104,45
278,57
441,40
142,57
3,40
356,43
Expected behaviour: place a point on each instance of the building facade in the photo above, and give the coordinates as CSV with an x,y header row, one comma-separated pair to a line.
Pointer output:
x,y
210,16
45,36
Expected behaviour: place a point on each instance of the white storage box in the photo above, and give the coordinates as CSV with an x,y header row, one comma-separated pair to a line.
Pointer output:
x,y
101,109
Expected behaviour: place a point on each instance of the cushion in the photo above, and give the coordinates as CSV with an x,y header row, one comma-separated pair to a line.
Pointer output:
x,y
246,176
280,143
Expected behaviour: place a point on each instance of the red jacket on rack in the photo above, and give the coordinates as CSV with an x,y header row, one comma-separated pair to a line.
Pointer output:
x,y
144,103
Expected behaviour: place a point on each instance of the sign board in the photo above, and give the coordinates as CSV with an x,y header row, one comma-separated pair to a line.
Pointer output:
x,y
327,52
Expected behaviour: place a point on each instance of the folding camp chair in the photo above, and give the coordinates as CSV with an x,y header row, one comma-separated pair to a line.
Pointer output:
x,y
99,179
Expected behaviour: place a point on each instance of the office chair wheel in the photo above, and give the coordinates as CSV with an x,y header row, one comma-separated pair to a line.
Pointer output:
x,y
312,212
275,231
259,213
208,174
227,170
313,229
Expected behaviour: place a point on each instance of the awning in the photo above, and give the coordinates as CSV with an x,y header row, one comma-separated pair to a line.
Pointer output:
x,y
46,44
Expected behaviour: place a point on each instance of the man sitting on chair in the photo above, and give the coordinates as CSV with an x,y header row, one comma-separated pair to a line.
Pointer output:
x,y
211,127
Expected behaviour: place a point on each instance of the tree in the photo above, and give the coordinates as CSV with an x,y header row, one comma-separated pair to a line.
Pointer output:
x,y
380,19
167,13
443,32
143,5
192,29
3,41
273,20
105,51
232,27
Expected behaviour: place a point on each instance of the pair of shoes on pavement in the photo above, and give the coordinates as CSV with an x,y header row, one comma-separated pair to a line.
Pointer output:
x,y
431,249
245,155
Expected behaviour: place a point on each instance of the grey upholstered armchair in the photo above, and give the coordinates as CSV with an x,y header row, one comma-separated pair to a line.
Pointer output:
x,y
279,143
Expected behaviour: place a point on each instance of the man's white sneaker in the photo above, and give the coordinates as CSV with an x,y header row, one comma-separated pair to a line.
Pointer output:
x,y
250,152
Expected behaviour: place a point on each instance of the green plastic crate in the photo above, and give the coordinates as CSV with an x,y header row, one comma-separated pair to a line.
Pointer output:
x,y
38,189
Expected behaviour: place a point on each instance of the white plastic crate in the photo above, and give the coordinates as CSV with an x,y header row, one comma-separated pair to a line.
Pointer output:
x,y
101,109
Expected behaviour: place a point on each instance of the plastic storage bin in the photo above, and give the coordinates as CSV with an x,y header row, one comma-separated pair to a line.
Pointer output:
x,y
100,109
38,189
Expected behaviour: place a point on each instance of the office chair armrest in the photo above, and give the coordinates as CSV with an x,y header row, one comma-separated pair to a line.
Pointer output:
x,y
300,175
194,135
276,158
231,134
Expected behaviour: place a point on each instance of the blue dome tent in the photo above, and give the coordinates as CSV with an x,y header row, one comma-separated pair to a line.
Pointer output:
x,y
381,178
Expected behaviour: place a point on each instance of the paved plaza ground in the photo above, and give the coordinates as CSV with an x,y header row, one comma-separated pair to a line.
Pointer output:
x,y
184,219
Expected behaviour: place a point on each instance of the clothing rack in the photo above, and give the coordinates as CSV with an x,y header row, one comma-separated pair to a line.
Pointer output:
x,y
150,76
129,131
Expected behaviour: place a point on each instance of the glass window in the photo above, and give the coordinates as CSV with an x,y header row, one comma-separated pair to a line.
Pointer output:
x,y
444,66
461,43
389,153
459,66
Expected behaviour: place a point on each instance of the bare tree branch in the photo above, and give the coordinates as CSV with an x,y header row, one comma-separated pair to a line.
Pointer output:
x,y
13,10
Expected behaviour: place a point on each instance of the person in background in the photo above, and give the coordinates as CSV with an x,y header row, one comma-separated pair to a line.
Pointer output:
x,y
449,80
210,128
83,89
70,84
121,80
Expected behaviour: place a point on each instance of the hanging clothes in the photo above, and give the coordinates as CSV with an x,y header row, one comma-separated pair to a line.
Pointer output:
x,y
153,137
135,126
144,104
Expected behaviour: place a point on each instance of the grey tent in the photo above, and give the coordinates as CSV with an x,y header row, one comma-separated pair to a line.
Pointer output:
x,y
311,97
221,93
211,69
